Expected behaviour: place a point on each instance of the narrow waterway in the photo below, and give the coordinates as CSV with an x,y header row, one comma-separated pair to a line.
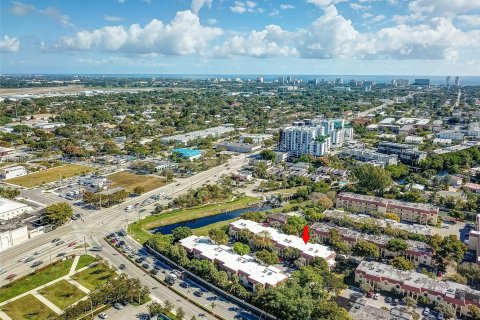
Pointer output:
x,y
205,221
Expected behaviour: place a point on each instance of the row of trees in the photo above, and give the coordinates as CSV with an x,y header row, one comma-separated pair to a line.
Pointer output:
x,y
203,195
119,289
105,200
9,193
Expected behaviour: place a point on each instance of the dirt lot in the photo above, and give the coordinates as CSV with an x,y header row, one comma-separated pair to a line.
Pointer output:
x,y
130,180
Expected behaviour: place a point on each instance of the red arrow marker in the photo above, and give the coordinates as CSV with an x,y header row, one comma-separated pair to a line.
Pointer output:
x,y
305,235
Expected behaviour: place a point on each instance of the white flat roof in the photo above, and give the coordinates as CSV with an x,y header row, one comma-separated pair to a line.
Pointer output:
x,y
225,256
310,249
9,205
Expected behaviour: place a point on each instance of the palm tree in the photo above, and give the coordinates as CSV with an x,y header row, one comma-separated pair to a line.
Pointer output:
x,y
213,305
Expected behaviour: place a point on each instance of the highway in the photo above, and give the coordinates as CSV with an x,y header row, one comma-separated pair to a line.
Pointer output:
x,y
96,224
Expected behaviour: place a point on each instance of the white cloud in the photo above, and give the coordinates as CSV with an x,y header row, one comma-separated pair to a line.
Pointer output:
x,y
260,44
56,14
212,21
443,7
183,35
247,6
324,3
274,12
358,7
198,4
334,36
121,1
286,7
20,9
469,21
238,9
111,18
8,44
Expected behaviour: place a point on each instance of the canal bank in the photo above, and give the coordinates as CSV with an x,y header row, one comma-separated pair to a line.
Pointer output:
x,y
140,229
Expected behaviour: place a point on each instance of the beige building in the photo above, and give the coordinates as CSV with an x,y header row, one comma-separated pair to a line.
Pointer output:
x,y
383,277
414,212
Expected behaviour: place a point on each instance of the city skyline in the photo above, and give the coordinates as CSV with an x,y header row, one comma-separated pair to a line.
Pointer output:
x,y
421,37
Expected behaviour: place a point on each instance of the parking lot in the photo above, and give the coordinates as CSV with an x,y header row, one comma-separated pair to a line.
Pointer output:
x,y
186,286
386,301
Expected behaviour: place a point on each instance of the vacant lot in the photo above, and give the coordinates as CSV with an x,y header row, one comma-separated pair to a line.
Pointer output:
x,y
94,277
62,294
130,180
27,307
49,175
32,281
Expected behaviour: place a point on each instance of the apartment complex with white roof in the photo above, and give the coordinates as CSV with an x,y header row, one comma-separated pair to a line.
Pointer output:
x,y
307,250
250,272
413,284
414,212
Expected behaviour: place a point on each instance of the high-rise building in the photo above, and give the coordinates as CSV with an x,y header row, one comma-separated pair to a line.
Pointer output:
x,y
289,79
282,80
260,79
314,137
400,82
457,81
367,86
339,81
447,82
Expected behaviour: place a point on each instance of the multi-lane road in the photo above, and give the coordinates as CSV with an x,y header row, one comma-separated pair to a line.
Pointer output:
x,y
95,224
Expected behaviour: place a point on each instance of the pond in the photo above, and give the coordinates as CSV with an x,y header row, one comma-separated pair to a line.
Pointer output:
x,y
205,221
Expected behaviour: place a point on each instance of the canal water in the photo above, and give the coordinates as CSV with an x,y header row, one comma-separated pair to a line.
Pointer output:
x,y
205,221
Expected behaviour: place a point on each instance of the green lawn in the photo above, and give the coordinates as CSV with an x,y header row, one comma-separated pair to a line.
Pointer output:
x,y
62,294
85,260
138,229
49,175
32,281
27,307
94,277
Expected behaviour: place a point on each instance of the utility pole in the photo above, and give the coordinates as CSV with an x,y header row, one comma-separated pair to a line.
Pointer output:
x,y
84,244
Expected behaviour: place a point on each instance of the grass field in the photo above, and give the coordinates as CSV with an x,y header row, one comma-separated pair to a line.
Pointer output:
x,y
84,261
94,277
32,281
130,180
138,229
27,307
62,294
49,175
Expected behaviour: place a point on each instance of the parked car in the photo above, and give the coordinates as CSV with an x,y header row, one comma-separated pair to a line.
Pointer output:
x,y
388,300
121,266
154,271
184,284
396,302
426,311
139,259
118,306
145,266
198,293
376,296
369,294
103,315
440,316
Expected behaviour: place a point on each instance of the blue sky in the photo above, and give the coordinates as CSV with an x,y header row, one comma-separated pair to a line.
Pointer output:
x,y
429,37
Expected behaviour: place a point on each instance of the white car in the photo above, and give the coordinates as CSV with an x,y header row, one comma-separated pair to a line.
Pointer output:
x,y
376,296
426,311
103,315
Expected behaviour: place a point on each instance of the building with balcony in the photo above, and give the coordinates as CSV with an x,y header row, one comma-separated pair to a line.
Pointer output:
x,y
413,284
408,211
